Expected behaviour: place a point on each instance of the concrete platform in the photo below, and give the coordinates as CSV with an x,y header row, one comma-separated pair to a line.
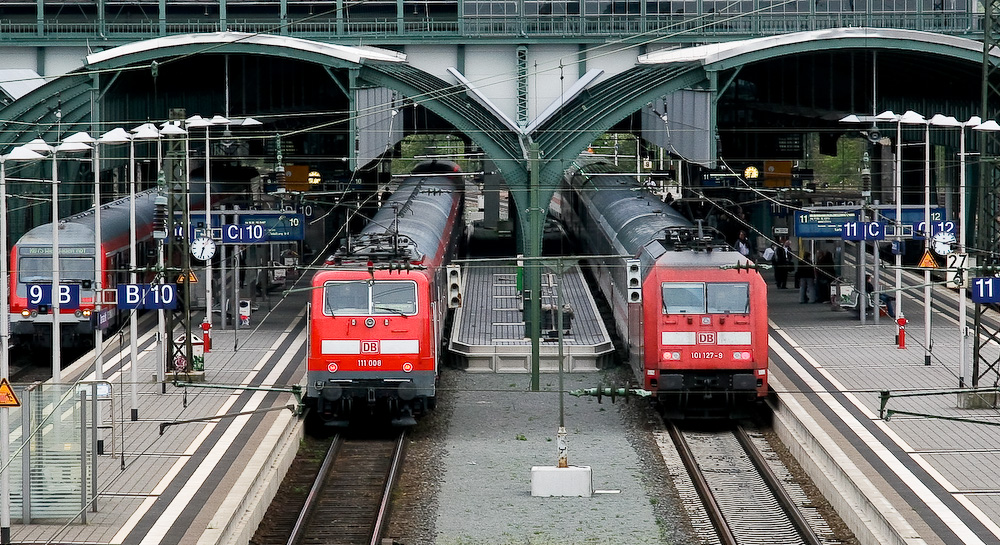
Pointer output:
x,y
488,333
914,478
194,483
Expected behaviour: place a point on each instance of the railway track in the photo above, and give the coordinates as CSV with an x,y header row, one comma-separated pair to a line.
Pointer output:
x,y
743,497
349,490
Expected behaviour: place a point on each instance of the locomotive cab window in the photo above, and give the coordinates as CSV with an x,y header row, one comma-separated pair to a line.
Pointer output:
x,y
706,298
394,297
359,297
684,297
729,298
345,298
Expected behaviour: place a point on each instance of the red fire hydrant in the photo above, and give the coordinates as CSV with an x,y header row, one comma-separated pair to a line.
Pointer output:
x,y
901,336
206,334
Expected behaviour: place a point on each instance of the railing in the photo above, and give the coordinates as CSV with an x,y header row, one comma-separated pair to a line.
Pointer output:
x,y
716,25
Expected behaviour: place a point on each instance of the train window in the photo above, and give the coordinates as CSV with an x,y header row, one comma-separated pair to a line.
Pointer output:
x,y
394,298
345,298
729,298
38,270
683,297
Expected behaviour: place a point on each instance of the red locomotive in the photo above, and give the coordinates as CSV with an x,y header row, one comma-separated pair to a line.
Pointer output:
x,y
378,309
691,311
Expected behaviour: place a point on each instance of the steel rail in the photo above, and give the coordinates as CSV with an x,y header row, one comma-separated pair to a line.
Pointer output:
x,y
780,494
316,492
392,476
701,486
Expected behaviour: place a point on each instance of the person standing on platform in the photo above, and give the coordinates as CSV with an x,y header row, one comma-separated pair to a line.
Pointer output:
x,y
782,263
826,272
805,277
743,244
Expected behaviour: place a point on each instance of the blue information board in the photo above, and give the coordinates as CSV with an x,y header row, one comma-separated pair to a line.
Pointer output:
x,y
281,226
147,296
822,224
986,290
41,295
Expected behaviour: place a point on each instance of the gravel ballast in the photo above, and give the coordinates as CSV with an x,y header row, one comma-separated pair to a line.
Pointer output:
x,y
498,429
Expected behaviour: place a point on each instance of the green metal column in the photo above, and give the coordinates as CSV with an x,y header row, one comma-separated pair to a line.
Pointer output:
x,y
162,17
987,235
283,16
532,265
522,86
352,122
222,16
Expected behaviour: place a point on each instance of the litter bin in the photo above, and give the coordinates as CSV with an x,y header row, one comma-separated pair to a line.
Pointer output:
x,y
197,355
244,312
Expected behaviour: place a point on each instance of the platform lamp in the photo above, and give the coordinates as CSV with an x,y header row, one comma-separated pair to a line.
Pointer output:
x,y
913,118
975,122
17,154
168,129
196,121
897,183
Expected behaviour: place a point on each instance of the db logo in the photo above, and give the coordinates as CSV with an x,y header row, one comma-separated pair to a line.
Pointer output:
x,y
369,347
332,367
707,337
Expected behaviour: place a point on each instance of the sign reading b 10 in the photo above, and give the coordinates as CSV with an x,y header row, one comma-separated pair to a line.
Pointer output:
x,y
41,295
147,296
986,290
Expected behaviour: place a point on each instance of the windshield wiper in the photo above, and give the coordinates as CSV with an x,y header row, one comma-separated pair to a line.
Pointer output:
x,y
393,310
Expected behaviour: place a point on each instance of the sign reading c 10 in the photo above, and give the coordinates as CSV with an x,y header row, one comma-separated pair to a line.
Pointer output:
x,y
243,234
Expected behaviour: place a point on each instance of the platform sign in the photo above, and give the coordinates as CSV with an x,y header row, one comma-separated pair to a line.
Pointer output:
x,y
283,226
243,234
41,295
916,217
957,265
986,290
147,296
863,230
822,224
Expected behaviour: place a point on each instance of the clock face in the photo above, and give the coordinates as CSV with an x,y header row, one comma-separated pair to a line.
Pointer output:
x,y
942,242
203,248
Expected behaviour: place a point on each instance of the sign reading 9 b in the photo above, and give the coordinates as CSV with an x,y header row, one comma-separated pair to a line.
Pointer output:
x,y
40,295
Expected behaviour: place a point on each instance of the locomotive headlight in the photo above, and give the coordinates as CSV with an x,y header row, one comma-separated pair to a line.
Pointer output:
x,y
407,367
25,313
78,313
86,312
672,355
741,356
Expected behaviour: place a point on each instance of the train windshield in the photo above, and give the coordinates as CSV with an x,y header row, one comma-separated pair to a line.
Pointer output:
x,y
729,298
38,270
684,297
363,298
706,298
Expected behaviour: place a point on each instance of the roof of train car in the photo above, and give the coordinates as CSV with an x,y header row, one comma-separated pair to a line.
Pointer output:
x,y
420,209
115,218
635,215
79,228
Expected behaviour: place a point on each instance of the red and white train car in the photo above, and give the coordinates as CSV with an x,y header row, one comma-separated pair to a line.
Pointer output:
x,y
691,310
378,309
31,263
